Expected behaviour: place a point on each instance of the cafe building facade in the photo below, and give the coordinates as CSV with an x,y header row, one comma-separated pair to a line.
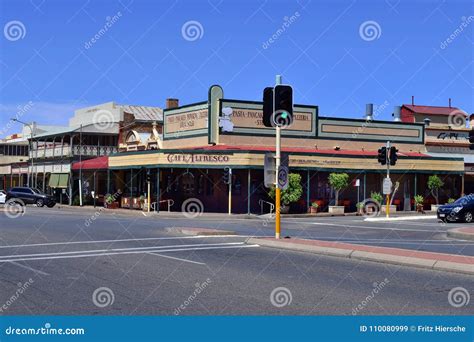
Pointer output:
x,y
199,141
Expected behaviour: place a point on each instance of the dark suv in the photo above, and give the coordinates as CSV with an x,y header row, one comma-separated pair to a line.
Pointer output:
x,y
30,196
460,210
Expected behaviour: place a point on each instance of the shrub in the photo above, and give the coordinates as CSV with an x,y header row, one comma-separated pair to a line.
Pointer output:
x,y
419,200
451,200
292,193
338,181
376,196
434,184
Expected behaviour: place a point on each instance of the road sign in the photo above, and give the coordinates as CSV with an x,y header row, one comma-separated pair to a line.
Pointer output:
x,y
269,170
387,186
283,177
357,182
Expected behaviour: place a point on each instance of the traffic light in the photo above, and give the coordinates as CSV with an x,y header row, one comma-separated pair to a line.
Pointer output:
x,y
471,139
393,155
382,156
226,175
148,176
283,102
267,106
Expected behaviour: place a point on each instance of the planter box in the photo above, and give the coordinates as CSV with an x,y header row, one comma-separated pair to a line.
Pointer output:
x,y
336,209
393,208
434,207
312,210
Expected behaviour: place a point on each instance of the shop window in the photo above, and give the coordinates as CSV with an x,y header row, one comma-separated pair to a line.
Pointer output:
x,y
187,182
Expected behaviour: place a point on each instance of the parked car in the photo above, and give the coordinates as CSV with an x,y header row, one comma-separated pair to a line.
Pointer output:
x,y
30,196
3,196
460,210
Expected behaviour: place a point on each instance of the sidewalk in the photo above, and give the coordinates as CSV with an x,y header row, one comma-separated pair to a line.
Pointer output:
x,y
388,255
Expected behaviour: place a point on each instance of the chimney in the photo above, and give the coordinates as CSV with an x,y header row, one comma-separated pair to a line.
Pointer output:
x,y
449,102
412,100
396,113
369,111
172,103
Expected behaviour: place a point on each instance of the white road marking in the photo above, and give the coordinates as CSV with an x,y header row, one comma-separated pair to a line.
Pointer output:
x,y
128,252
400,218
365,227
29,268
119,250
179,259
120,240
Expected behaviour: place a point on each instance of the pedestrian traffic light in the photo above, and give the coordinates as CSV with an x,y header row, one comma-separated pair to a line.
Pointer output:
x,y
226,175
393,155
471,139
283,103
267,106
382,156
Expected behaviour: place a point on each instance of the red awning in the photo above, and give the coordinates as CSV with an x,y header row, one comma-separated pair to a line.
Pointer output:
x,y
100,163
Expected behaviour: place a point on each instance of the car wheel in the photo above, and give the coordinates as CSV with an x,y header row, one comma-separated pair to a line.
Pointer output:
x,y
468,217
50,205
39,202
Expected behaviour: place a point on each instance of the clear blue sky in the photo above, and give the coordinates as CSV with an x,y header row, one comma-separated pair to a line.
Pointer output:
x,y
143,57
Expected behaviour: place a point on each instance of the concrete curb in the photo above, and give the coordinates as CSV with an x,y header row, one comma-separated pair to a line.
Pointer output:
x,y
392,256
198,231
458,233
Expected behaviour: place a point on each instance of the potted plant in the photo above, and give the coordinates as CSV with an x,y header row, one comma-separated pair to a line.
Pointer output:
x,y
313,209
110,202
360,208
338,181
419,200
434,184
291,194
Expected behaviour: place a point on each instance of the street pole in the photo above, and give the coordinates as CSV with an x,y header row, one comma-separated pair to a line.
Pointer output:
x,y
387,208
80,166
148,195
277,166
30,175
230,192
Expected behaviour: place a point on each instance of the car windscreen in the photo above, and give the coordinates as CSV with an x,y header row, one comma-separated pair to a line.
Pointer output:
x,y
37,191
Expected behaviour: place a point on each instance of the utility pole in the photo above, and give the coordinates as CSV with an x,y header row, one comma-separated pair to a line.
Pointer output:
x,y
230,192
277,167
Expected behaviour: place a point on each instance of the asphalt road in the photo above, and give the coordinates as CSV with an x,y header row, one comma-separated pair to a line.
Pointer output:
x,y
67,263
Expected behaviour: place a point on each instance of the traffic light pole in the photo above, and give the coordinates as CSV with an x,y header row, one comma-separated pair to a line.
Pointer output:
x,y
277,166
230,192
387,208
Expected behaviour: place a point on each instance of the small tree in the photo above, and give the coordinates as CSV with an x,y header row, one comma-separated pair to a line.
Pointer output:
x,y
292,193
434,184
338,181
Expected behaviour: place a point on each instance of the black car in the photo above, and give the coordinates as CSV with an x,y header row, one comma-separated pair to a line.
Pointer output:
x,y
30,196
460,210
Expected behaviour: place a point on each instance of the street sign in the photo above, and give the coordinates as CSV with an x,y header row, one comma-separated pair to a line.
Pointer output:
x,y
269,170
283,177
387,186
357,182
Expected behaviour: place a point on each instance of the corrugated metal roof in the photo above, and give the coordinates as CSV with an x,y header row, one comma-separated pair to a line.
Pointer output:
x,y
433,110
144,113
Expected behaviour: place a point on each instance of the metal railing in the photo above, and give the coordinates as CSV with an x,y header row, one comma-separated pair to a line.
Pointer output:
x,y
263,202
76,150
154,206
